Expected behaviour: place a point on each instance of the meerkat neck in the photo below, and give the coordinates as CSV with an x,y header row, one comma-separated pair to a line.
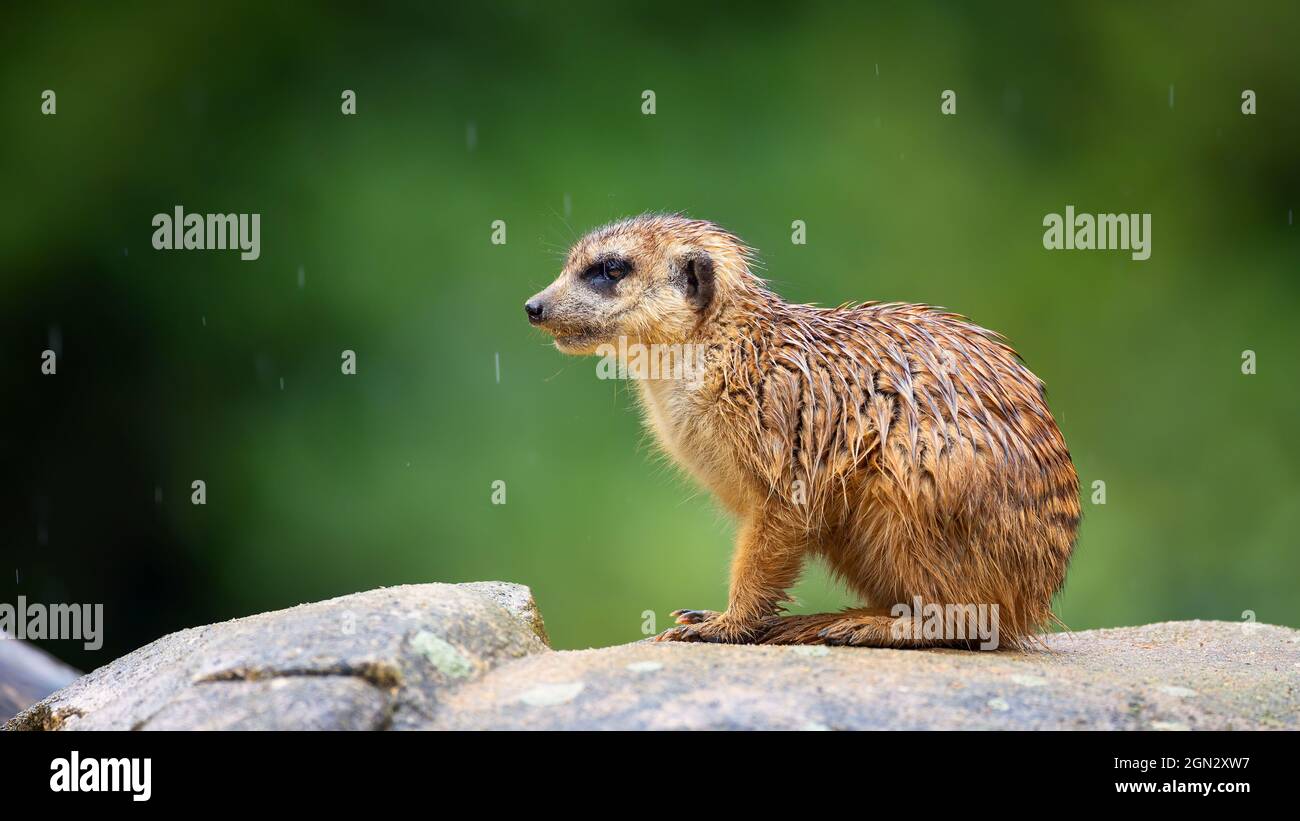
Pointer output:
x,y
740,312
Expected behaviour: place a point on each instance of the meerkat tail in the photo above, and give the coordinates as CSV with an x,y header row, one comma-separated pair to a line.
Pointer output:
x,y
861,627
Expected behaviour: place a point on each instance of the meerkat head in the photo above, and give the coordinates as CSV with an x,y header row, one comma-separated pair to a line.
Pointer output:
x,y
652,279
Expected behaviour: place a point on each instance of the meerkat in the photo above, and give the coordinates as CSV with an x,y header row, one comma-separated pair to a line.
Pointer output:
x,y
907,447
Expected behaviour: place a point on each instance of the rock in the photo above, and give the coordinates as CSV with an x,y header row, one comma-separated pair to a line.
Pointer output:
x,y
293,703
473,656
27,674
1177,675
515,598
377,660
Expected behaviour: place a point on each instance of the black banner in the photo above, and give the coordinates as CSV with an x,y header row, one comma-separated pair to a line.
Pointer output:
x,y
131,771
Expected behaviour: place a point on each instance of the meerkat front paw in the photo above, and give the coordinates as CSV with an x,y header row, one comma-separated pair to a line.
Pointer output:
x,y
710,626
687,618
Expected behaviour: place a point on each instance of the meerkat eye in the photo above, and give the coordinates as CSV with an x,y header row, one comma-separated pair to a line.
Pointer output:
x,y
614,268
607,271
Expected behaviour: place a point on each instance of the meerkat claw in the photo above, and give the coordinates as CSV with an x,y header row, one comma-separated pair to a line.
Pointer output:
x,y
693,616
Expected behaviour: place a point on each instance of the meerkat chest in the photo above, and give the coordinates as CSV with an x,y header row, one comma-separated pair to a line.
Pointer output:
x,y
680,414
671,407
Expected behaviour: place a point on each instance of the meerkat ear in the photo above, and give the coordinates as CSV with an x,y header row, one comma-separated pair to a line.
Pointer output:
x,y
696,272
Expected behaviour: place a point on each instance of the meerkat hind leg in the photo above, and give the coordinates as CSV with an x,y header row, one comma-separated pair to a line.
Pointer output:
x,y
861,627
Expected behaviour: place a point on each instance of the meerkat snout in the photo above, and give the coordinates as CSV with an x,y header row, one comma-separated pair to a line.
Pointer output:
x,y
536,310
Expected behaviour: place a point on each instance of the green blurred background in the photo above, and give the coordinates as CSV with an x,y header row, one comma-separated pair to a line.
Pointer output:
x,y
376,238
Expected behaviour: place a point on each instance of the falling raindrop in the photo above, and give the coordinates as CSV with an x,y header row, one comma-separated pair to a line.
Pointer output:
x,y
302,277
471,135
498,359
282,383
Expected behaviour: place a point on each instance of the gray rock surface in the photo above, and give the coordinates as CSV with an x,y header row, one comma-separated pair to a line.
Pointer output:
x,y
1170,676
377,660
473,656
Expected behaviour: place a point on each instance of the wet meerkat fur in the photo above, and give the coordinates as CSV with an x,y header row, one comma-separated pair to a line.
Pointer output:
x,y
907,447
